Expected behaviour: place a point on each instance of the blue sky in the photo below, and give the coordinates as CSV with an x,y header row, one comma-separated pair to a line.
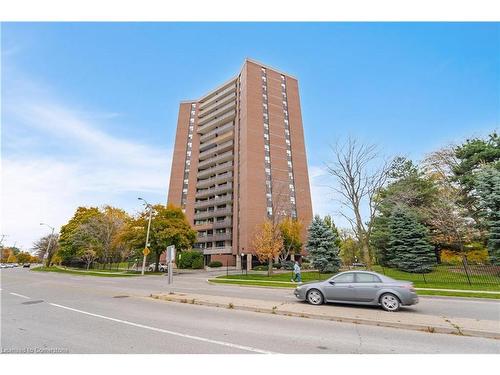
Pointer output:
x,y
89,110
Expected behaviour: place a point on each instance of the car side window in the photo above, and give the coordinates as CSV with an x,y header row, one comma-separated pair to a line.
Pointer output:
x,y
366,278
345,278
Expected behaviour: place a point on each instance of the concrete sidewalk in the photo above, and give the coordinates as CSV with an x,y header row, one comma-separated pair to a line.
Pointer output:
x,y
362,315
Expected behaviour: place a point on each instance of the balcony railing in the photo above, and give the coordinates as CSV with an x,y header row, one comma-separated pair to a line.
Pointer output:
x,y
218,250
228,176
229,116
209,109
215,237
213,202
219,158
225,146
219,168
226,223
219,131
217,97
215,190
213,213
217,113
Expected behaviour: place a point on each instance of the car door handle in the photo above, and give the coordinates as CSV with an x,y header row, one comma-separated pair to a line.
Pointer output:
x,y
350,286
376,286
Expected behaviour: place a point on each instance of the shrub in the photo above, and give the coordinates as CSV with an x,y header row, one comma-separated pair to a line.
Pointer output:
x,y
306,266
190,259
277,265
260,268
287,265
197,263
215,264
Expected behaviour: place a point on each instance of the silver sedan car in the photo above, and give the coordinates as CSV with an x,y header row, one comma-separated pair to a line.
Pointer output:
x,y
359,287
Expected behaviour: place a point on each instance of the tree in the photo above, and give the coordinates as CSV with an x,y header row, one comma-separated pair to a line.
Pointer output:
x,y
471,156
24,257
488,189
291,233
329,223
408,243
99,234
169,226
268,243
68,248
88,256
321,246
12,258
40,247
358,185
349,248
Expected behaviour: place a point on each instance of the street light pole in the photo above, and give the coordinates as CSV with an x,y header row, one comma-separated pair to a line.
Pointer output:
x,y
147,233
50,242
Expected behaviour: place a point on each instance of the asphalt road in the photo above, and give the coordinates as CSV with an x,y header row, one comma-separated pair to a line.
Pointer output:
x,y
48,312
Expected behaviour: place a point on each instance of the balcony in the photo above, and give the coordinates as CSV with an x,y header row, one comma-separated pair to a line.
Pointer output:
x,y
216,105
226,136
215,237
228,176
214,202
215,190
218,159
225,118
218,131
211,98
227,166
218,250
225,108
213,213
225,146
226,223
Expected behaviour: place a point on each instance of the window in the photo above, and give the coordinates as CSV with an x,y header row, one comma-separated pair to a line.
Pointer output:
x,y
367,278
344,278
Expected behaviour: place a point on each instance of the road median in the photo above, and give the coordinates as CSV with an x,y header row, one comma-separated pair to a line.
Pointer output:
x,y
403,319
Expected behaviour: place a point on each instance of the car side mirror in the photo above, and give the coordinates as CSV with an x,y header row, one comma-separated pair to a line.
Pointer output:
x,y
332,282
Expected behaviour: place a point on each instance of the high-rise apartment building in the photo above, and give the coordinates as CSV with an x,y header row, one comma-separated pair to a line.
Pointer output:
x,y
240,158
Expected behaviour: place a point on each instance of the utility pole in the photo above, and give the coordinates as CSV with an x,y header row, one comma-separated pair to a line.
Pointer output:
x,y
46,256
146,249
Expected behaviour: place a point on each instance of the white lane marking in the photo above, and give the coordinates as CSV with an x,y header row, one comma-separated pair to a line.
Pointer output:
x,y
236,346
19,295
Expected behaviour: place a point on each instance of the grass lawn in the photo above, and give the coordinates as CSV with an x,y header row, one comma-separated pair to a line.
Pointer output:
x,y
100,273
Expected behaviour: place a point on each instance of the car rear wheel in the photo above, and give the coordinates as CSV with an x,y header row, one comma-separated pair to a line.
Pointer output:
x,y
314,297
390,302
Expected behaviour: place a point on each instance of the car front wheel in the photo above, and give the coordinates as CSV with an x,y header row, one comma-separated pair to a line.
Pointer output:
x,y
314,297
390,302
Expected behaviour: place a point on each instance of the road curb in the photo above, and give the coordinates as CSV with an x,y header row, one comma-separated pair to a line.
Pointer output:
x,y
449,328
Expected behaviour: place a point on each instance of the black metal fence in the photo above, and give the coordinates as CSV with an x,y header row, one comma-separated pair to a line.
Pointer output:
x,y
448,275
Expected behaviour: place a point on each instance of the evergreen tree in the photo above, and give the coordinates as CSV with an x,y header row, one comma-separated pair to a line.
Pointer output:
x,y
488,188
321,246
329,223
409,247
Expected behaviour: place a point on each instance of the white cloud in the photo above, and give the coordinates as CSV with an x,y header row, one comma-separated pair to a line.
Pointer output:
x,y
88,166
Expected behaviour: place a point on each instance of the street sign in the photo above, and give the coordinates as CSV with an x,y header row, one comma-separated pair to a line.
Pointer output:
x,y
146,251
170,263
171,253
